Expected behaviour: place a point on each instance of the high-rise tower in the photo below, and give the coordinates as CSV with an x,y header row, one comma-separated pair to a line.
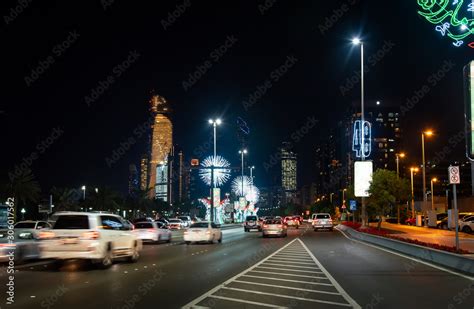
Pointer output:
x,y
161,144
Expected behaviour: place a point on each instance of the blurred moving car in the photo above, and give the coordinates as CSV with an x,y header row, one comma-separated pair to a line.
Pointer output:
x,y
98,237
203,232
467,224
163,220
24,246
251,223
292,221
32,226
152,231
186,220
274,227
322,221
175,224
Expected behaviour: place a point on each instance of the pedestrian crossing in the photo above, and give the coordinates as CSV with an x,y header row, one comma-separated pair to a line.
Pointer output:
x,y
291,277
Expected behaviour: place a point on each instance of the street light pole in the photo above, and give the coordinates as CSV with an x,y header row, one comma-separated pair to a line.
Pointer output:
x,y
397,160
251,168
242,152
214,124
357,41
427,133
432,192
412,170
83,188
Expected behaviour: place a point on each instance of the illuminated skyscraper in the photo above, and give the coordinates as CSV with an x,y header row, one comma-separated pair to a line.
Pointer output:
x,y
144,173
161,144
132,179
288,172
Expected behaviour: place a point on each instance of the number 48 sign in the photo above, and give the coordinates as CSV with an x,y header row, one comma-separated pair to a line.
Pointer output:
x,y
454,176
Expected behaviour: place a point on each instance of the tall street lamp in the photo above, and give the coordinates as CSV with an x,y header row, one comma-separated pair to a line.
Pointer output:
x,y
412,171
242,152
251,168
423,134
433,180
83,188
357,41
214,124
397,159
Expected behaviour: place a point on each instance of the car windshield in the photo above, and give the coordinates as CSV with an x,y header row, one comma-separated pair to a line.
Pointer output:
x,y
175,221
183,218
200,225
441,216
72,222
273,221
323,216
251,218
25,225
143,225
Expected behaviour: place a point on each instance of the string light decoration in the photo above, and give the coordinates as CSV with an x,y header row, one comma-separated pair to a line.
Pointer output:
x,y
452,18
221,173
251,192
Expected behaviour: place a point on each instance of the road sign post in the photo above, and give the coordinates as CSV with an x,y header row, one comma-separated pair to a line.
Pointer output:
x,y
455,179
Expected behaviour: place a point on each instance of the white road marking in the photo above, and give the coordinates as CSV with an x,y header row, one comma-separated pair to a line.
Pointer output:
x,y
288,263
287,287
409,257
292,297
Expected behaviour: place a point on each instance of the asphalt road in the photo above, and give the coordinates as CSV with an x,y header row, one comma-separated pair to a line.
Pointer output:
x,y
305,270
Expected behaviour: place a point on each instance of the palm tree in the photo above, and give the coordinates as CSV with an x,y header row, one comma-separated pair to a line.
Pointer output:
x,y
105,199
25,189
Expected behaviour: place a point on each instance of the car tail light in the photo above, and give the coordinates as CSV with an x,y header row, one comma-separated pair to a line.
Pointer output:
x,y
46,235
208,232
151,230
91,235
280,226
265,226
7,245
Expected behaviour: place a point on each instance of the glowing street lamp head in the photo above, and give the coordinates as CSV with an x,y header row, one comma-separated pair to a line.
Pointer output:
x,y
83,187
218,121
434,179
211,121
429,133
414,169
402,155
243,151
356,41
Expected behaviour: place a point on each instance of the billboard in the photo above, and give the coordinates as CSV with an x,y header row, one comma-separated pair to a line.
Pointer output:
x,y
161,187
363,171
217,196
469,108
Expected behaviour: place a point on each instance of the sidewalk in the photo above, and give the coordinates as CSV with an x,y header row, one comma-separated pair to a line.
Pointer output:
x,y
431,235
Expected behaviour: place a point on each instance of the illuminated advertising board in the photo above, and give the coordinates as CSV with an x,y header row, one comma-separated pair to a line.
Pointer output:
x,y
363,171
356,139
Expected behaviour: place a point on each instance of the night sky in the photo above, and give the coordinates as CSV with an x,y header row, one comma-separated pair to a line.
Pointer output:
x,y
128,49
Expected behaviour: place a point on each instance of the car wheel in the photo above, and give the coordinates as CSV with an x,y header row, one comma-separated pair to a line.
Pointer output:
x,y
331,229
264,236
158,239
297,227
220,239
246,230
467,229
169,239
133,258
315,230
188,242
107,260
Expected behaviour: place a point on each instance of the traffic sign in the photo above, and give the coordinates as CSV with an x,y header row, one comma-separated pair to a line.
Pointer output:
x,y
454,175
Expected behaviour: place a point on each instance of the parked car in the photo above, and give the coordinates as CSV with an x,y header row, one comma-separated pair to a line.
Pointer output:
x,y
443,224
186,220
176,224
251,223
274,227
292,221
98,237
203,232
322,221
152,231
467,224
24,245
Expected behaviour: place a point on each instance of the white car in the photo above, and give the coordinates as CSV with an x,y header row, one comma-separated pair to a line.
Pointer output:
x,y
152,231
467,224
203,232
186,220
322,221
99,237
32,226
175,224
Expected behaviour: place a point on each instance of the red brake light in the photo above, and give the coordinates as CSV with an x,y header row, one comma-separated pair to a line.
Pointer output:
x,y
46,235
91,235
151,230
280,226
265,226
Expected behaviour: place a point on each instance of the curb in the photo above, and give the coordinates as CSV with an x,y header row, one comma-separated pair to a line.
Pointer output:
x,y
449,260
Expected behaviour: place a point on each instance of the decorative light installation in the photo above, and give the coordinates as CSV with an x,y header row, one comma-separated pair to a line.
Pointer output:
x,y
452,18
237,185
253,194
221,172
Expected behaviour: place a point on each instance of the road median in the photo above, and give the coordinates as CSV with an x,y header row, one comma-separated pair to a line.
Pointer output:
x,y
449,260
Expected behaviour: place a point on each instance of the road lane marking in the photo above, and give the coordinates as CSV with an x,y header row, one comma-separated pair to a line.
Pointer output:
x,y
287,280
286,269
291,275
271,279
334,282
409,257
291,297
287,287
240,301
